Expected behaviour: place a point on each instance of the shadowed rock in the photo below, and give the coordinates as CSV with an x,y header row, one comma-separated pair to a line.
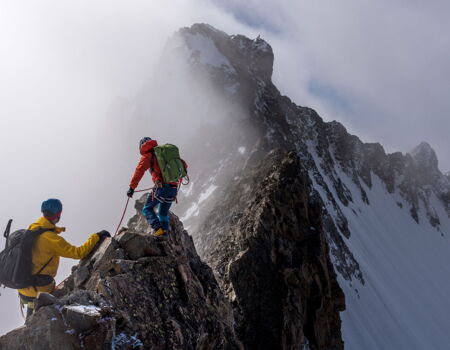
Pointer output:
x,y
133,292
272,260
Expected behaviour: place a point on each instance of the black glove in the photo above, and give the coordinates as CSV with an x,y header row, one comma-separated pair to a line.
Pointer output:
x,y
130,192
103,234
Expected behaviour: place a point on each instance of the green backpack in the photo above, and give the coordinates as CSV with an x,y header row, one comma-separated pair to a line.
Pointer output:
x,y
170,163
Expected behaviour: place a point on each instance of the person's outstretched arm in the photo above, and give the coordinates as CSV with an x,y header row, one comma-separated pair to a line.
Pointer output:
x,y
142,167
59,246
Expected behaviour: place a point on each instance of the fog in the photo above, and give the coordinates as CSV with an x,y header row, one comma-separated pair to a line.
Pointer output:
x,y
74,84
71,78
381,68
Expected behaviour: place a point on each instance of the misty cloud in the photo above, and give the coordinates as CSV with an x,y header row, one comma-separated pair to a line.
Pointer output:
x,y
386,61
76,79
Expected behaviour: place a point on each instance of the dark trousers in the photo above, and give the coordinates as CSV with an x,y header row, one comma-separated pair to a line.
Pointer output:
x,y
163,198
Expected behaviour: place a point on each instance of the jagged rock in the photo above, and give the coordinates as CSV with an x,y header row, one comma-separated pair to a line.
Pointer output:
x,y
46,330
81,317
45,299
266,120
273,261
134,292
138,245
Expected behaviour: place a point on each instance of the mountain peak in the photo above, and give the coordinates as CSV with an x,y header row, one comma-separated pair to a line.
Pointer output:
x,y
234,54
425,156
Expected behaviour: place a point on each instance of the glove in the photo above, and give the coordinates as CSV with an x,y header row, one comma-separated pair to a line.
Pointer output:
x,y
130,192
158,184
103,234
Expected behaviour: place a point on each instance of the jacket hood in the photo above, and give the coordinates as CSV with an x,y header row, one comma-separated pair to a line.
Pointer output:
x,y
43,222
148,146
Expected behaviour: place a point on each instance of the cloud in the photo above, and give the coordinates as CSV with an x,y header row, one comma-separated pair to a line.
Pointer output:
x,y
68,69
385,61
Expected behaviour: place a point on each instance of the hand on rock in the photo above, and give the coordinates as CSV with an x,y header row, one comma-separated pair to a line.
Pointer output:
x,y
103,234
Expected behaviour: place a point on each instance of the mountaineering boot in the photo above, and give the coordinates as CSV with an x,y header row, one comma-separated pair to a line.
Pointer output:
x,y
160,232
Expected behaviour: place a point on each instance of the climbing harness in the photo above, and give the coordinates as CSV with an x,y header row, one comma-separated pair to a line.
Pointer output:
x,y
21,307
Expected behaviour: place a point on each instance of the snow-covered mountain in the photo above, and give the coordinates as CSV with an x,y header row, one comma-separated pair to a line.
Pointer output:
x,y
386,215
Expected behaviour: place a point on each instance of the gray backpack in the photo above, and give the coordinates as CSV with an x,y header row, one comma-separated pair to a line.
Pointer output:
x,y
15,260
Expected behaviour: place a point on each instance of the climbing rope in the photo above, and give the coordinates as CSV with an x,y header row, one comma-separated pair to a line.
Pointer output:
x,y
121,219
117,229
125,210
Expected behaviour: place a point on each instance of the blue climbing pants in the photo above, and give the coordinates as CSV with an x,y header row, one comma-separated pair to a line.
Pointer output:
x,y
163,198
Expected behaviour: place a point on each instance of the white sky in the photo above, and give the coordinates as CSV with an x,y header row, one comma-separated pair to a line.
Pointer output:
x,y
380,67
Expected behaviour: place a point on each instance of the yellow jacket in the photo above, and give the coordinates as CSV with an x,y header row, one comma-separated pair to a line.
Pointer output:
x,y
51,245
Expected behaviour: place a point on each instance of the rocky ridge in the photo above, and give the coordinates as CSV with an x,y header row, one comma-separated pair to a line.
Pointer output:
x,y
272,259
266,120
277,287
133,292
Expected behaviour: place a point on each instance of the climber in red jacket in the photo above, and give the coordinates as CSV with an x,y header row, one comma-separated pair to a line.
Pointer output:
x,y
163,193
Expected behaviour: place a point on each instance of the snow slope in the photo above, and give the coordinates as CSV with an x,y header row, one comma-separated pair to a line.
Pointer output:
x,y
405,300
387,215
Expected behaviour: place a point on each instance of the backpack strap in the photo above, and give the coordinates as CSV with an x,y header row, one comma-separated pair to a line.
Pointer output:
x,y
48,262
43,267
152,162
6,234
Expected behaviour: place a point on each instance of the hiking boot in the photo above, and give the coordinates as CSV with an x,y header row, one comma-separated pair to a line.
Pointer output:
x,y
160,232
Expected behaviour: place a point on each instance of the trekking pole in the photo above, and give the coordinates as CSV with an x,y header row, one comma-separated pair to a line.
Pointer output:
x,y
6,234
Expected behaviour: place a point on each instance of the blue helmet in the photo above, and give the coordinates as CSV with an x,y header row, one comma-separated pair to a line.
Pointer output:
x,y
143,140
51,207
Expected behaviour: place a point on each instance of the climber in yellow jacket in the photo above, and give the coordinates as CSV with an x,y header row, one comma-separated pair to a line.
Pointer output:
x,y
47,250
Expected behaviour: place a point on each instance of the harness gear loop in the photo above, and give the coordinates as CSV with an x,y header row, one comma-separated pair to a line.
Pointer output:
x,y
21,307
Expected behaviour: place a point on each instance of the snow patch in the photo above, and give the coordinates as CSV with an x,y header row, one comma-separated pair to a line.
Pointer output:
x,y
90,310
260,45
123,339
208,52
192,211
205,194
189,189
232,88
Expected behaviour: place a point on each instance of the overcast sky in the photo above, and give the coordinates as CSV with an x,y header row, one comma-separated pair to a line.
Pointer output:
x,y
381,68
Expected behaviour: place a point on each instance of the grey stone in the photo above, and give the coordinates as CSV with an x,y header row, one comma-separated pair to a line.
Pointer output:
x,y
82,317
45,299
137,245
81,275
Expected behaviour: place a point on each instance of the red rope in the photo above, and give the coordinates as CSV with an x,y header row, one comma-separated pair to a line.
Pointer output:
x,y
147,189
123,214
117,229
125,210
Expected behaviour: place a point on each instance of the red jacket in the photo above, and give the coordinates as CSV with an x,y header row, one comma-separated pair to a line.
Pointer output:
x,y
148,162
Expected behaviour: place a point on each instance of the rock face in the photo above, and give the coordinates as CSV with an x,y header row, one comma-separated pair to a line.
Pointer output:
x,y
340,166
272,259
133,292
138,292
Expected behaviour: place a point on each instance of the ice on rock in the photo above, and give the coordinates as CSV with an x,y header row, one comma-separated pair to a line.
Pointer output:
x,y
208,52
